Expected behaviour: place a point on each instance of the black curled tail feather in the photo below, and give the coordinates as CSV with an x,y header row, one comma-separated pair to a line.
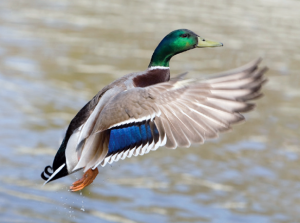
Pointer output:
x,y
46,171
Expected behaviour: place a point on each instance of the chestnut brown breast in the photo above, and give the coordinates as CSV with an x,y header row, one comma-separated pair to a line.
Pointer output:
x,y
152,77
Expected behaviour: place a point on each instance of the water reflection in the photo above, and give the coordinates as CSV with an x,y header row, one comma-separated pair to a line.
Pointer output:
x,y
56,55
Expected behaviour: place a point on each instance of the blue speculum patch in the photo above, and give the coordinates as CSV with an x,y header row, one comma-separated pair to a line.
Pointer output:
x,y
131,135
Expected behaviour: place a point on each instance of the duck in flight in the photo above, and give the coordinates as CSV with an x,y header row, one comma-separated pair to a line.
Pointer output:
x,y
143,111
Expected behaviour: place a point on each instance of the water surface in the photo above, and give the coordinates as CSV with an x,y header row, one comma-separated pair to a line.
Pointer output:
x,y
56,55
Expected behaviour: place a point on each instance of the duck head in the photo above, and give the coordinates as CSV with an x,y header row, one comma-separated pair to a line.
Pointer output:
x,y
176,42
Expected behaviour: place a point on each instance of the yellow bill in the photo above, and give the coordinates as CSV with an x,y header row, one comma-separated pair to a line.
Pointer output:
x,y
207,43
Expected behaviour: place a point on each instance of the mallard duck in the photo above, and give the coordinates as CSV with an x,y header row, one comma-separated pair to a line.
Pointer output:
x,y
143,111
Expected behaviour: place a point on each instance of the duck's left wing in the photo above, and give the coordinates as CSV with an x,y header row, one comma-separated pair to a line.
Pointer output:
x,y
178,112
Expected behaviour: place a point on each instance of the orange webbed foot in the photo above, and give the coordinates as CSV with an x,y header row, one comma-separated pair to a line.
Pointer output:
x,y
86,180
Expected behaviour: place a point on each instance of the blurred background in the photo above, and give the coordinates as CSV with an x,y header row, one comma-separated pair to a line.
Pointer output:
x,y
56,55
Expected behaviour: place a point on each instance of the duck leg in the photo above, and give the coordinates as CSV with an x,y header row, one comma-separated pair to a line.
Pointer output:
x,y
86,180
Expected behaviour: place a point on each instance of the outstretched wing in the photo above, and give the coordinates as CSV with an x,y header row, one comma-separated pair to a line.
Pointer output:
x,y
178,112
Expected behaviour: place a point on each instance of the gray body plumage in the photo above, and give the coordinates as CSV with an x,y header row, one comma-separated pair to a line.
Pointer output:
x,y
184,112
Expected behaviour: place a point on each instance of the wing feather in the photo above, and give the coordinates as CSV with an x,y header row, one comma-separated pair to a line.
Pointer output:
x,y
183,111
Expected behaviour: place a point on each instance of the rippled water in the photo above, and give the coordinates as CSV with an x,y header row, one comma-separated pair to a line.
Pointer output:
x,y
55,55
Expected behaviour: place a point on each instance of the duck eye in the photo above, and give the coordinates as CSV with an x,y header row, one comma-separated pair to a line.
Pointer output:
x,y
184,35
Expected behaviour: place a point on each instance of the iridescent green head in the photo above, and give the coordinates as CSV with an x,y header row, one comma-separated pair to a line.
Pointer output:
x,y
176,42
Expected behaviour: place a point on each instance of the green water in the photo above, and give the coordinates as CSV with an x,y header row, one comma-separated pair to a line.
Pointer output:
x,y
55,55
